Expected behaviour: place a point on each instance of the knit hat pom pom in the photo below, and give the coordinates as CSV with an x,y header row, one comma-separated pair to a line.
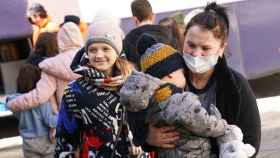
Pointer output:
x,y
145,41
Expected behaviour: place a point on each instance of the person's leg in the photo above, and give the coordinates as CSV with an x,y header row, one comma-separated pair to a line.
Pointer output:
x,y
28,149
29,154
40,147
47,147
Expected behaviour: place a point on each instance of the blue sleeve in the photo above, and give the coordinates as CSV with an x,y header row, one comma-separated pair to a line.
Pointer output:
x,y
67,133
50,119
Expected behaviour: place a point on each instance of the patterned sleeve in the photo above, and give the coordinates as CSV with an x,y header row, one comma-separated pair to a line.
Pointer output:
x,y
68,133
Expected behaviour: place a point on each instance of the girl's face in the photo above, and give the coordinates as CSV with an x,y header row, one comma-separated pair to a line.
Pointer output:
x,y
102,57
201,42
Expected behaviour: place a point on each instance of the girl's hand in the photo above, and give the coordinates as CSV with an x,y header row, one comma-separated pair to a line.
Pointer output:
x,y
77,153
13,107
163,137
114,81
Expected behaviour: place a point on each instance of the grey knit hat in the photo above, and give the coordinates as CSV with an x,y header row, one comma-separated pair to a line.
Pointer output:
x,y
105,28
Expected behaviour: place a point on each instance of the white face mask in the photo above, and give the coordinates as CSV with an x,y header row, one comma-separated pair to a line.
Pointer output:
x,y
200,64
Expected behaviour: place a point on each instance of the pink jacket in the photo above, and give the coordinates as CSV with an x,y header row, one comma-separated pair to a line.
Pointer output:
x,y
56,72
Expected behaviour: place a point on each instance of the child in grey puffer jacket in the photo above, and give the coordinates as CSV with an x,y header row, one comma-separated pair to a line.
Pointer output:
x,y
167,106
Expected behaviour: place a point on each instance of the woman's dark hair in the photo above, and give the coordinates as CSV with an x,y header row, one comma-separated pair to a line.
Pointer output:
x,y
214,18
39,9
27,78
43,14
46,45
176,33
71,18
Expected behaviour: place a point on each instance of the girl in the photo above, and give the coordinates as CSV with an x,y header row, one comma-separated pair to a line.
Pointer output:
x,y
92,122
37,125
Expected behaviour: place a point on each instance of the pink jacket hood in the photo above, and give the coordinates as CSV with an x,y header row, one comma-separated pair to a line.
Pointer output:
x,y
69,37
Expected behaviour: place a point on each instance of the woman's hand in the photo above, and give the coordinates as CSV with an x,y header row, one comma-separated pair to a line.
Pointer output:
x,y
163,137
135,150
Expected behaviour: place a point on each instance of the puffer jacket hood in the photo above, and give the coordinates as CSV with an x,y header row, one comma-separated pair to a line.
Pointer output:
x,y
69,37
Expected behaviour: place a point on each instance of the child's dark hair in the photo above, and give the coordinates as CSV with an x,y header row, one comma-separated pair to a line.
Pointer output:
x,y
214,18
177,36
46,44
27,78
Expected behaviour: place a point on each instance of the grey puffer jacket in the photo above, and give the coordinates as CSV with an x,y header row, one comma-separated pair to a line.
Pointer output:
x,y
183,110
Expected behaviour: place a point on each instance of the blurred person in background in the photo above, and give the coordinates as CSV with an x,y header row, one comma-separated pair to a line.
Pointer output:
x,y
175,28
45,47
75,19
56,72
40,20
143,18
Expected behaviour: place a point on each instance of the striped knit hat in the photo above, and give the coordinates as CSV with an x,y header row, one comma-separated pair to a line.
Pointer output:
x,y
158,59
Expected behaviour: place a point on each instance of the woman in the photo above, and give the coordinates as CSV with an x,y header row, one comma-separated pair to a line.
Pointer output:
x,y
92,122
212,80
40,20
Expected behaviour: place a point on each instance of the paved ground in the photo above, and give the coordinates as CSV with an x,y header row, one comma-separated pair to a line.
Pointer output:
x,y
270,146
270,116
